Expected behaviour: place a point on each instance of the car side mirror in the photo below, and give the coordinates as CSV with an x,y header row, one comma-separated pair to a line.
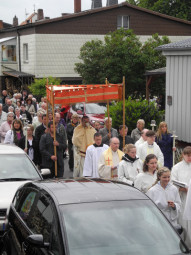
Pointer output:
x,y
37,241
45,171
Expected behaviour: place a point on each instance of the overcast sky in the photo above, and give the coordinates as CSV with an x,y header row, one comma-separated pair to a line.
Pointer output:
x,y
52,8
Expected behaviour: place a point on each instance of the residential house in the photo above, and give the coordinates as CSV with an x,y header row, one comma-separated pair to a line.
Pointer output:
x,y
51,47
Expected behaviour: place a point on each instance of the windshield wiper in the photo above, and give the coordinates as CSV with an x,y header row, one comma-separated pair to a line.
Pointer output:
x,y
14,179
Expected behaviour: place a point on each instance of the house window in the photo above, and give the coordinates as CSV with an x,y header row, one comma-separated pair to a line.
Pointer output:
x,y
8,53
123,22
25,52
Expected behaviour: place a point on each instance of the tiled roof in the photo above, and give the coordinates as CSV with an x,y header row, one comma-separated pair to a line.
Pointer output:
x,y
159,71
102,9
181,45
17,74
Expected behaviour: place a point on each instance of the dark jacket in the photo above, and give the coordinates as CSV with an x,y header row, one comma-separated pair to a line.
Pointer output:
x,y
34,146
128,140
70,130
39,131
166,144
47,150
62,132
104,132
28,115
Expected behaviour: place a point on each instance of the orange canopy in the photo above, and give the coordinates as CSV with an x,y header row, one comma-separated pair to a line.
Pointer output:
x,y
65,94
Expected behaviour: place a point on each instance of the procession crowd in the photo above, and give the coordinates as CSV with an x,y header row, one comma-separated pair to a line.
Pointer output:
x,y
146,160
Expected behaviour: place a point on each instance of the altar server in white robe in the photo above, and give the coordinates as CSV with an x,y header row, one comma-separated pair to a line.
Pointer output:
x,y
187,210
142,139
182,172
144,181
150,147
109,160
93,154
130,166
166,196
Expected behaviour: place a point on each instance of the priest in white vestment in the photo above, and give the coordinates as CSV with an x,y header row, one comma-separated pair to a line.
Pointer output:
x,y
93,154
109,160
182,172
150,147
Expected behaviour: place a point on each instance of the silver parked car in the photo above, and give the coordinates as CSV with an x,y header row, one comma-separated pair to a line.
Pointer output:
x,y
16,169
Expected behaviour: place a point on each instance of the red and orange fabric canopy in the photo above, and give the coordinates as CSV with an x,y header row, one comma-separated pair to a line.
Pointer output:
x,y
65,94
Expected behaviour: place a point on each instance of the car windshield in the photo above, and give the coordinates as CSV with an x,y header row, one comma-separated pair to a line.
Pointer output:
x,y
17,167
119,227
96,108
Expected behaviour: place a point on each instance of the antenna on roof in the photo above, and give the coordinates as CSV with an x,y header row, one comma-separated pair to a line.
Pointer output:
x,y
34,8
26,14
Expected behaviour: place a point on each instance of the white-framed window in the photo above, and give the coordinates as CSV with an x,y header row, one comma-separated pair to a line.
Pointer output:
x,y
25,52
123,22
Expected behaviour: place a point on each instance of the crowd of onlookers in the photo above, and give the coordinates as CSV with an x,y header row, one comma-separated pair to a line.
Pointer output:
x,y
143,159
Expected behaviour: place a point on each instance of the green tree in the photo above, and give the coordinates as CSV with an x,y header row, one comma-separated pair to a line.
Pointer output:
x,y
151,57
92,66
123,58
38,87
121,54
134,110
176,8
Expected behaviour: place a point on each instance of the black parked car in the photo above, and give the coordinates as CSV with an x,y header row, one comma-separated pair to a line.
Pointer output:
x,y
84,216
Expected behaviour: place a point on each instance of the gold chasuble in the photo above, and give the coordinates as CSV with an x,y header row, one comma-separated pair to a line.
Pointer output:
x,y
83,137
108,156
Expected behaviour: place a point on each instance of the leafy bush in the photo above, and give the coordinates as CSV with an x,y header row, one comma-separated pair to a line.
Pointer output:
x,y
134,110
38,86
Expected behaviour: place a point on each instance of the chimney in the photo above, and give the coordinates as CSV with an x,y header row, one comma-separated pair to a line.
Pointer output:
x,y
15,21
40,14
1,24
111,2
77,6
96,4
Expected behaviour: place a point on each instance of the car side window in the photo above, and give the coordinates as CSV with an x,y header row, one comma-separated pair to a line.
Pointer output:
x,y
24,201
42,221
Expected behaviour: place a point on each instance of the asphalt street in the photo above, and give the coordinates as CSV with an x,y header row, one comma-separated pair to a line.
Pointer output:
x,y
67,172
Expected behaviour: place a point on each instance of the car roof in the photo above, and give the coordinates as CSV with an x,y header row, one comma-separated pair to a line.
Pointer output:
x,y
10,149
84,190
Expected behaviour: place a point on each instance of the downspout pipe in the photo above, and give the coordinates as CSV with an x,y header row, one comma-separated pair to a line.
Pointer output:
x,y
19,49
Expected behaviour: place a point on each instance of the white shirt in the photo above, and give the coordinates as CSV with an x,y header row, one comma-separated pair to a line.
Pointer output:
x,y
91,160
182,172
139,142
127,170
145,180
187,210
161,196
146,149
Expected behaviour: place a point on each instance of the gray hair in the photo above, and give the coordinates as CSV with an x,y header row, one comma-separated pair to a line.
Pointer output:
x,y
10,107
41,112
111,139
107,119
10,113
